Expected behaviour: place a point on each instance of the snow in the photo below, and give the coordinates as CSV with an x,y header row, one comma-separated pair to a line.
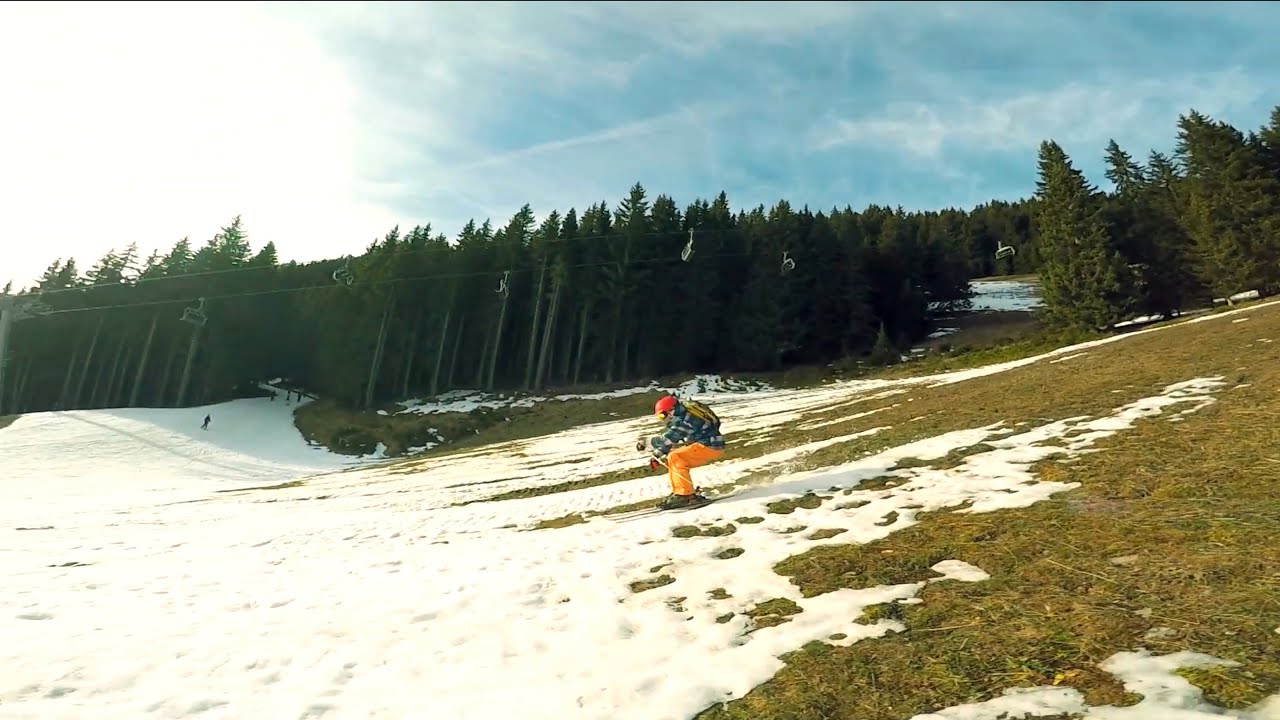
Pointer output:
x,y
1246,295
1066,358
136,590
1005,295
102,453
1165,696
462,401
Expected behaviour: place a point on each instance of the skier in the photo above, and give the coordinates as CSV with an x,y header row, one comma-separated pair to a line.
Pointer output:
x,y
205,426
691,438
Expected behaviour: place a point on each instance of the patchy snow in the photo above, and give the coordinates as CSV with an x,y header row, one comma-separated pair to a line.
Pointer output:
x,y
1165,695
462,401
1246,295
958,570
712,385
1139,320
136,590
962,375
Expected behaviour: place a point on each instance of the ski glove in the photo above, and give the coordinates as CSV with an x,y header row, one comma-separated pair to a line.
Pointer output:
x,y
653,464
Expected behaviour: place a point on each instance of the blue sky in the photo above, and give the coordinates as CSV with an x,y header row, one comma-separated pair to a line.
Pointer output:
x,y
326,124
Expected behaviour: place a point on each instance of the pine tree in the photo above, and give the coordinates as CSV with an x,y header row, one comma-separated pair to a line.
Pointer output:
x,y
1233,207
1143,225
1127,175
1084,281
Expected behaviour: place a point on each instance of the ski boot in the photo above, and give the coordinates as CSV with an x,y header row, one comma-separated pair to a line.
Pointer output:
x,y
673,501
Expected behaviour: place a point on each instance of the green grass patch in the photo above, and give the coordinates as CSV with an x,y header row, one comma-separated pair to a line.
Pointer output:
x,y
688,531
873,614
808,501
560,522
7,420
772,612
639,586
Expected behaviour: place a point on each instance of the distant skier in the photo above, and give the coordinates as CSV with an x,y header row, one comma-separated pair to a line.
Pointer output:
x,y
690,439
207,420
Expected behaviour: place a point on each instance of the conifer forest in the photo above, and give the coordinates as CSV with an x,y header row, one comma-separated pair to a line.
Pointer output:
x,y
641,288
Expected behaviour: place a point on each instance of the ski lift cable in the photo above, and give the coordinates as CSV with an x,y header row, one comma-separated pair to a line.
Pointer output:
x,y
424,251
364,283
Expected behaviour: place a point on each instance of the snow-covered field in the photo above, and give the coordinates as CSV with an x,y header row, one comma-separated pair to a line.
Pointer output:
x,y
133,589
1005,295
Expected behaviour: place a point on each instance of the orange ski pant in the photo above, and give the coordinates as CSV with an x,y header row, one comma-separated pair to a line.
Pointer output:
x,y
682,459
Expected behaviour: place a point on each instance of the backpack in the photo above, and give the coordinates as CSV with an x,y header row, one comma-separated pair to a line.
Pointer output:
x,y
702,412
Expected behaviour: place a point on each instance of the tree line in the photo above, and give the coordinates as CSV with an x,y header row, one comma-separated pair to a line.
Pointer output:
x,y
1176,231
641,289
633,291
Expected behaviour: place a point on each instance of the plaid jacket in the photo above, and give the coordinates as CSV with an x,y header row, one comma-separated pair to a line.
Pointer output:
x,y
685,429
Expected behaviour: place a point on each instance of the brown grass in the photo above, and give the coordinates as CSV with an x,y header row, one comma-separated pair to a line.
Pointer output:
x,y
639,586
358,432
980,329
355,432
688,531
1162,547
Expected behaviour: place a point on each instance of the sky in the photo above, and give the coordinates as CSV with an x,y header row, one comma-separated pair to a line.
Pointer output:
x,y
324,125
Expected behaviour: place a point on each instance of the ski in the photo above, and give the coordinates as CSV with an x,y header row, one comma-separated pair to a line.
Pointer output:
x,y
646,512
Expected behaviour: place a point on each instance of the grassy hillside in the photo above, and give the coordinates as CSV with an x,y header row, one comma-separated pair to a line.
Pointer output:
x,y
1160,547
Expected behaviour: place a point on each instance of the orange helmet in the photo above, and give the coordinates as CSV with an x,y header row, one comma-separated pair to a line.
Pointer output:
x,y
664,406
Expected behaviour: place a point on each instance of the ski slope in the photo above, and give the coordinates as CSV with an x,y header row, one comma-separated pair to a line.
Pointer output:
x,y
135,588
87,452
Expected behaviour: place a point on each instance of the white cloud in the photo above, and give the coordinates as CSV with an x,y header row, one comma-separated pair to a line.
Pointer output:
x,y
434,77
324,124
1073,114
696,27
151,122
